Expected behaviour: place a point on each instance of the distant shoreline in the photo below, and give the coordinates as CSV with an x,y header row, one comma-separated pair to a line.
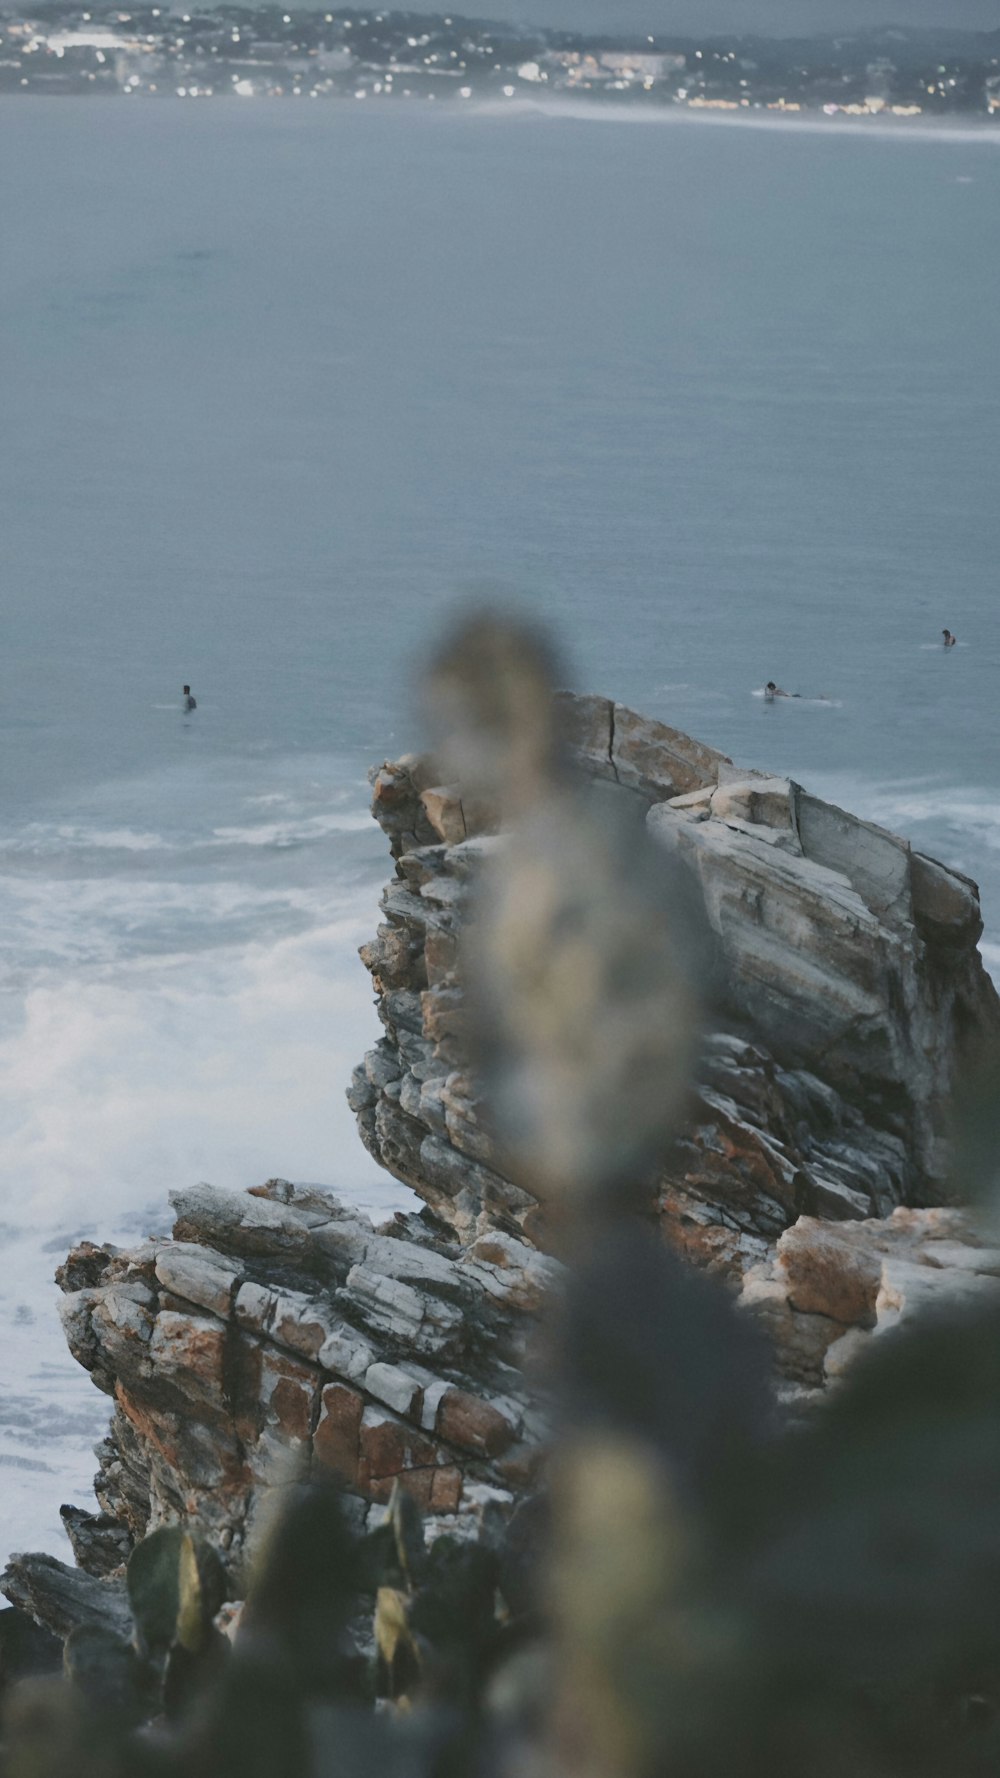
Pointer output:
x,y
884,128
936,129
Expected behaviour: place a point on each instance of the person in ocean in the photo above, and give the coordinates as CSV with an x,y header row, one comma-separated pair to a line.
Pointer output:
x,y
772,691
190,703
949,639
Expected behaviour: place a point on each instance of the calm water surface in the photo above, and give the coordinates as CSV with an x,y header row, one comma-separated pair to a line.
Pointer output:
x,y
280,385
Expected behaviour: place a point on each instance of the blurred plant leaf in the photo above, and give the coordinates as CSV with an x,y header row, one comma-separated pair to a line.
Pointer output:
x,y
407,1525
397,1650
650,1349
303,1589
176,1585
153,1580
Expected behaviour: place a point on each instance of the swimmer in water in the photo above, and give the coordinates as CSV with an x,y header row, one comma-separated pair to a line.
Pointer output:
x,y
772,691
949,639
190,703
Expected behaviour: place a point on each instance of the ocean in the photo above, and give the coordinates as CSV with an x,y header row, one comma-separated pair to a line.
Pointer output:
x,y
283,385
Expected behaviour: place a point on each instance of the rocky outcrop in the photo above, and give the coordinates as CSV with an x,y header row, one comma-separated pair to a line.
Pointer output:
x,y
852,986
276,1334
827,1290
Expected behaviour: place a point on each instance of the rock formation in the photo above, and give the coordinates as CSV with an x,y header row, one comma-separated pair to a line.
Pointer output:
x,y
276,1332
853,984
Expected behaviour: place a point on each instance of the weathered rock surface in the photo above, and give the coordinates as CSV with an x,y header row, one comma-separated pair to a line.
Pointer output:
x,y
827,1290
59,1597
854,983
277,1334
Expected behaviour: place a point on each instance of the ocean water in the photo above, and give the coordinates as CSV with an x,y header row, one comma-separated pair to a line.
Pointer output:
x,y
284,384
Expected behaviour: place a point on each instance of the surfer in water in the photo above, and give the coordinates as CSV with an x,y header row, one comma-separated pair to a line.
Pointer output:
x,y
190,703
772,691
949,639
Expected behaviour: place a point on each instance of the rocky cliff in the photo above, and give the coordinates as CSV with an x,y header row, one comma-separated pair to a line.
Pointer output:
x,y
853,987
276,1334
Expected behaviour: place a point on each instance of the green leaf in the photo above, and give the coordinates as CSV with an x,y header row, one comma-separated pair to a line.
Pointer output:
x,y
176,1584
153,1581
407,1524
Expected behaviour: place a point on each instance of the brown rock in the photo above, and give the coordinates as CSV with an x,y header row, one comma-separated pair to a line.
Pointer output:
x,y
446,1490
288,1392
472,1424
388,1448
800,1341
519,1467
156,1429
190,1351
443,808
440,956
335,1441
829,1273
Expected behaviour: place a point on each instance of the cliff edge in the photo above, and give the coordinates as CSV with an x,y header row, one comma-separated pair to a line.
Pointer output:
x,y
853,988
277,1335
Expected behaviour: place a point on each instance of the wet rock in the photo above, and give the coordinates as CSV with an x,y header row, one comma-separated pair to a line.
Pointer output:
x,y
101,1544
59,1597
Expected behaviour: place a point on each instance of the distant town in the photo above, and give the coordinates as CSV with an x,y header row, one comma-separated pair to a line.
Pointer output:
x,y
247,53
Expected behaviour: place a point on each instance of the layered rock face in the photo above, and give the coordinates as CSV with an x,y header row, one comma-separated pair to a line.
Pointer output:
x,y
826,1290
853,984
276,1334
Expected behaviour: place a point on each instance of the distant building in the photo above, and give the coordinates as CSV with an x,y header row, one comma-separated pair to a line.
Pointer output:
x,y
641,66
879,76
333,61
97,38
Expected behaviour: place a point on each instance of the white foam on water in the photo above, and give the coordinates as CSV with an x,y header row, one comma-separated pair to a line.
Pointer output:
x,y
965,814
958,824
228,1066
292,832
36,838
198,1065
182,1002
49,925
